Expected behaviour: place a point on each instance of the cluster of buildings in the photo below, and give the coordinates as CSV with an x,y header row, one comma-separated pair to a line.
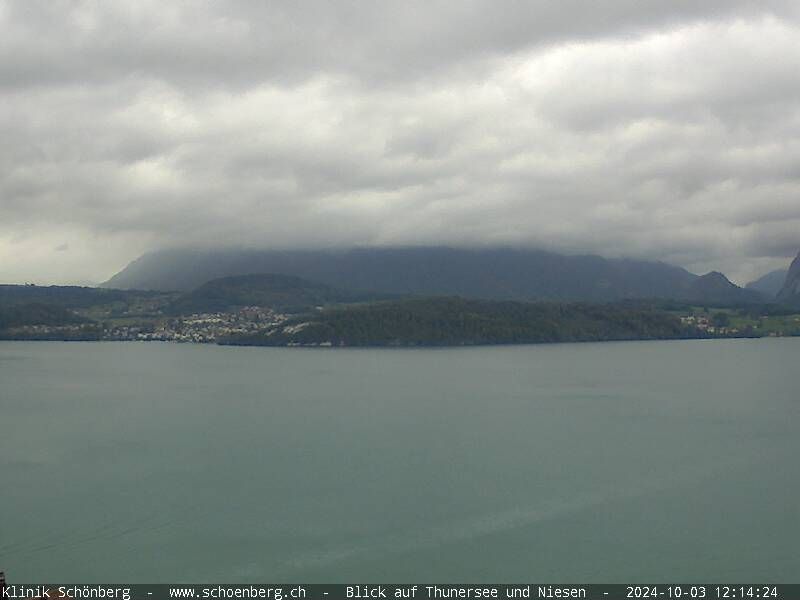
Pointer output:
x,y
706,324
200,328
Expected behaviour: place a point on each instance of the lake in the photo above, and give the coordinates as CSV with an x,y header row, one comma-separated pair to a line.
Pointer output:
x,y
613,462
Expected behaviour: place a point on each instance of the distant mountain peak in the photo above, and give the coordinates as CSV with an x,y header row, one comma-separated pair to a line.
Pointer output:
x,y
716,278
716,287
790,292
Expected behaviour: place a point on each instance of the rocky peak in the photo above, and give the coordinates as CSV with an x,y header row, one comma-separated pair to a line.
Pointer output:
x,y
791,288
715,287
715,280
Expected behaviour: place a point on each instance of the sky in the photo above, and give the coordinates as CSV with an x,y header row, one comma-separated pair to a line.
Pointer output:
x,y
657,130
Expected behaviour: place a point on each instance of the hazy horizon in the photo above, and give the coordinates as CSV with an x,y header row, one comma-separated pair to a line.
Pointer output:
x,y
633,129
94,283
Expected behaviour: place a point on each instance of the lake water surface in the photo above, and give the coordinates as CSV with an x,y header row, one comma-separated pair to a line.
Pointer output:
x,y
615,462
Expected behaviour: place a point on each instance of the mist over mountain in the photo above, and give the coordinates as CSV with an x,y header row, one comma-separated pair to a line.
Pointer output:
x,y
494,273
769,284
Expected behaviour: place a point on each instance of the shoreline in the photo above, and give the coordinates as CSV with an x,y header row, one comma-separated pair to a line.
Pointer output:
x,y
328,346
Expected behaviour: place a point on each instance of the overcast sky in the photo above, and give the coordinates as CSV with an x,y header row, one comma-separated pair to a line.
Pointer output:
x,y
664,130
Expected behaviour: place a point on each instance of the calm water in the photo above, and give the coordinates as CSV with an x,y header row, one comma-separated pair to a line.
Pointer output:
x,y
660,461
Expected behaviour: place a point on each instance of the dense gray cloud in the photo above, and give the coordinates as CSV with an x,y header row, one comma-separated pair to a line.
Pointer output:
x,y
667,130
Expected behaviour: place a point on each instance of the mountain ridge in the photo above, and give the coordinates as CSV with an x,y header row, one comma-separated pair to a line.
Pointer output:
x,y
790,292
717,288
280,292
488,273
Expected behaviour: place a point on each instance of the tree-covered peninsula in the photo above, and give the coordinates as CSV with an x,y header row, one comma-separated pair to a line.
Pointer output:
x,y
456,321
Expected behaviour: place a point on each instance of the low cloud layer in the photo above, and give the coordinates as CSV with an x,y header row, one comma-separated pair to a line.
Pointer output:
x,y
660,130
